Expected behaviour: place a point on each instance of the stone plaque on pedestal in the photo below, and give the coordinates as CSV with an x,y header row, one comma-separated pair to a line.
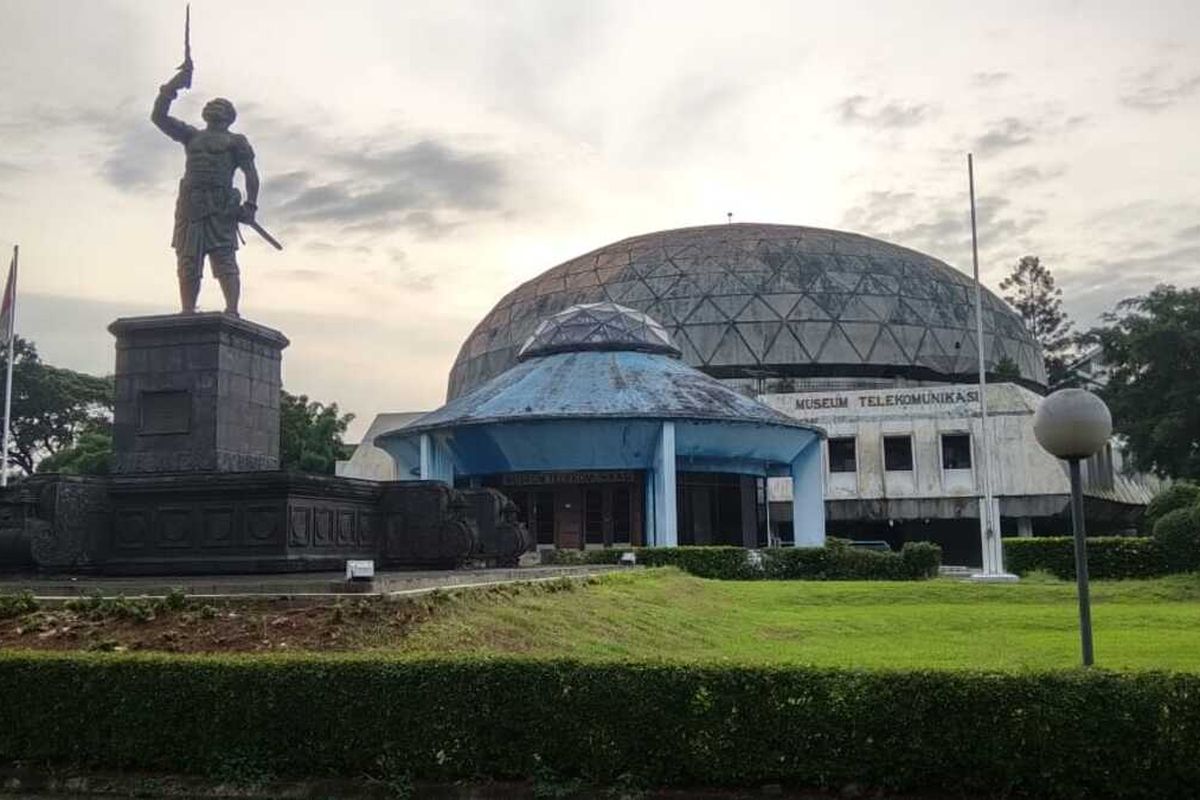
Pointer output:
x,y
196,393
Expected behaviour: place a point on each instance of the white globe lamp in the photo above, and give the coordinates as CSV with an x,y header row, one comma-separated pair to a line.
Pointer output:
x,y
1074,424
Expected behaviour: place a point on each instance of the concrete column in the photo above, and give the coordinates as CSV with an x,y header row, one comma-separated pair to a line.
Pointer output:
x,y
993,549
426,457
1025,527
436,463
666,524
749,489
808,497
649,535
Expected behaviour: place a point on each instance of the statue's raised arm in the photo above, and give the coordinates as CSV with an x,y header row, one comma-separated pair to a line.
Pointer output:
x,y
160,115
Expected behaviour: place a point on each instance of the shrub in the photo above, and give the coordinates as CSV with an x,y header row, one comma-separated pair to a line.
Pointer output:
x,y
1111,557
1178,535
608,555
1178,495
836,561
1059,734
16,605
724,563
921,559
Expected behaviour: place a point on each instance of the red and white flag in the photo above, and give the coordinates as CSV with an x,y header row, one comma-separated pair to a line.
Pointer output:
x,y
10,299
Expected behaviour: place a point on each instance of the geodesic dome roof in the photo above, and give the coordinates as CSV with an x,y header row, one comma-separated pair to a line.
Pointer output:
x,y
752,300
597,326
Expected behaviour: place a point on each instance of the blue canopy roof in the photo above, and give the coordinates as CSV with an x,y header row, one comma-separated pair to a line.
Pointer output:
x,y
599,384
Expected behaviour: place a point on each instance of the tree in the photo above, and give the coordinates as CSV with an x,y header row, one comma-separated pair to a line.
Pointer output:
x,y
91,454
1006,370
1031,291
51,406
1151,346
310,434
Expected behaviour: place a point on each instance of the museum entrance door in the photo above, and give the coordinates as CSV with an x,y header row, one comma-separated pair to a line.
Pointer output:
x,y
574,510
716,509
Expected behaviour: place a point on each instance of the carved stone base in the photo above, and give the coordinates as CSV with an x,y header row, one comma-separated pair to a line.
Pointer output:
x,y
196,393
250,522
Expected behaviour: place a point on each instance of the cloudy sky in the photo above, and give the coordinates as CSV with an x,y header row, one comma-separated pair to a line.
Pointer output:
x,y
419,159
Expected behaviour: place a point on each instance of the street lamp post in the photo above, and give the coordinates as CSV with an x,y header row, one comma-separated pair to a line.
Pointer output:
x,y
1074,424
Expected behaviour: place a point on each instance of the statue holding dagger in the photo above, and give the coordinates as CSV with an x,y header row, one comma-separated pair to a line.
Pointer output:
x,y
208,208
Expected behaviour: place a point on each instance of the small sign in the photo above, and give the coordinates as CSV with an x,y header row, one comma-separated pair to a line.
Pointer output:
x,y
360,570
568,477
164,412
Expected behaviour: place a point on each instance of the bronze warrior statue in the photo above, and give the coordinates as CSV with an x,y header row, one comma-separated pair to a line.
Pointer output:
x,y
209,208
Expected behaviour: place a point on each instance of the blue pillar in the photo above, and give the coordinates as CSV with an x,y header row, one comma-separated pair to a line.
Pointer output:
x,y
436,462
808,497
649,536
666,532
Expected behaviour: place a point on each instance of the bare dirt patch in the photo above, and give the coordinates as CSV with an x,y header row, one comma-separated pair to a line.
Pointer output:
x,y
178,624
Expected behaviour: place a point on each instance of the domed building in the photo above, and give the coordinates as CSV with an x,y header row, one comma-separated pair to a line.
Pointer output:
x,y
870,342
774,306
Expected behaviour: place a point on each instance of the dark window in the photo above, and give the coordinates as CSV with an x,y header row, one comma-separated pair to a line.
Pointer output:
x,y
841,455
622,515
543,512
593,516
897,453
956,451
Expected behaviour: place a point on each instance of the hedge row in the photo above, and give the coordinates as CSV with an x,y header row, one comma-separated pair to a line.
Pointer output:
x,y
1113,557
1052,734
835,561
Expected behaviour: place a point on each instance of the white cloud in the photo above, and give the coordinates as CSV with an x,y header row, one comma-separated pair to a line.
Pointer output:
x,y
419,159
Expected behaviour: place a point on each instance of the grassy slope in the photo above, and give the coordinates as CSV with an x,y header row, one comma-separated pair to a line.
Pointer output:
x,y
941,624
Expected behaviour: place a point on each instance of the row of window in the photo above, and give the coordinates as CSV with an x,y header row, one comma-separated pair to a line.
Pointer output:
x,y
898,452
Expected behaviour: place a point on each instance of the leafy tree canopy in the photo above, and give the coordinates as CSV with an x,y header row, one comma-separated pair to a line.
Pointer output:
x,y
91,454
1151,347
1031,291
310,434
51,406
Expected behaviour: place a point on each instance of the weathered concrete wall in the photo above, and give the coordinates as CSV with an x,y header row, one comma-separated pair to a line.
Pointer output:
x,y
196,393
1027,479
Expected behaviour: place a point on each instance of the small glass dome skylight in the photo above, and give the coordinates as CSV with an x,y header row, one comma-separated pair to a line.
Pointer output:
x,y
598,326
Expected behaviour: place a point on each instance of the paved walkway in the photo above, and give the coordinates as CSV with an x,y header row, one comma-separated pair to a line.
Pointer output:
x,y
50,587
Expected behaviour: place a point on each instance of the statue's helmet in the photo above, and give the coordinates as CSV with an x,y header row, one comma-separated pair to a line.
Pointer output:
x,y
219,110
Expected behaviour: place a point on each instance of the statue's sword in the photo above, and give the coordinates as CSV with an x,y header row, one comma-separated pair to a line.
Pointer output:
x,y
186,66
261,231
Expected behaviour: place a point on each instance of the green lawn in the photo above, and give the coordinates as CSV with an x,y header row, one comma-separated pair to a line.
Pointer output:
x,y
664,614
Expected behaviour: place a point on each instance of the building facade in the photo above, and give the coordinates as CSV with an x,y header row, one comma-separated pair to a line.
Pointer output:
x,y
874,341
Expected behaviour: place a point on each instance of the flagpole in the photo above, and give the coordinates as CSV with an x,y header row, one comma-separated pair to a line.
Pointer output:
x,y
987,533
12,337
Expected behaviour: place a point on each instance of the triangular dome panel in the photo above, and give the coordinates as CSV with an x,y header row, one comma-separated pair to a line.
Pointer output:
x,y
732,350
786,349
837,349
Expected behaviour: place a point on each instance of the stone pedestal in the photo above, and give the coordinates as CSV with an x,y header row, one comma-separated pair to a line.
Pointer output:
x,y
196,393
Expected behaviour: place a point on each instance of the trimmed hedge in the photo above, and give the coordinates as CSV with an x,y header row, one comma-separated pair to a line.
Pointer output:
x,y
1069,734
1178,535
836,561
1112,557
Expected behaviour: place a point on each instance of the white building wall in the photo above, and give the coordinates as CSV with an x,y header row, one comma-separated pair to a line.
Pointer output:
x,y
1020,468
371,462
